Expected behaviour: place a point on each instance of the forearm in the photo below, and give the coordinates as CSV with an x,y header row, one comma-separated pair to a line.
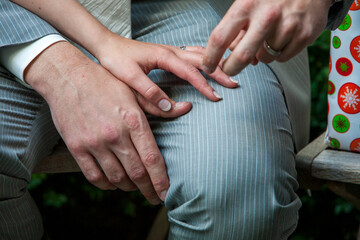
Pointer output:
x,y
71,19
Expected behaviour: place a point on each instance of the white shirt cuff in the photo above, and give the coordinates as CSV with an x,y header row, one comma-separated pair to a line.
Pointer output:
x,y
16,58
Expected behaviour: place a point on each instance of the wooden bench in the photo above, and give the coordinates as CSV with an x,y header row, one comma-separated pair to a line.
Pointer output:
x,y
316,165
339,170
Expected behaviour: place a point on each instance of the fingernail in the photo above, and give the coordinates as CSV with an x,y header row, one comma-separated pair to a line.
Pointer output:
x,y
164,105
163,195
217,95
234,80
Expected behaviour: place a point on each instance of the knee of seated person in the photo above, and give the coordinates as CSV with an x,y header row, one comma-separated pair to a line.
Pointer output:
x,y
14,176
20,217
222,208
12,187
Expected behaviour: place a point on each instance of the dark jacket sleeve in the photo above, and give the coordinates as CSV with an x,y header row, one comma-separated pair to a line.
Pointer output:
x,y
337,14
18,25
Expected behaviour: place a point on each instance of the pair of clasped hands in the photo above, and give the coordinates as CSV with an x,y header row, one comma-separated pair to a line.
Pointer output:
x,y
99,109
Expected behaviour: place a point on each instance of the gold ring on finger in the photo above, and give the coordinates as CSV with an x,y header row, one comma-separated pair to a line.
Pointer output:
x,y
270,50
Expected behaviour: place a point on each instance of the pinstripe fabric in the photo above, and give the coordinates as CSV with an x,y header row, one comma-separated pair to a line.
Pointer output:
x,y
18,25
115,14
231,163
27,135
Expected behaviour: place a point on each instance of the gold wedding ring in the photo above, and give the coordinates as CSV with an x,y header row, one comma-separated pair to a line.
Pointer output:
x,y
271,51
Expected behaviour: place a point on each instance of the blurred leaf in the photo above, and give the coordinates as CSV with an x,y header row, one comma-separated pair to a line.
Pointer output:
x,y
53,199
342,206
130,209
36,180
94,193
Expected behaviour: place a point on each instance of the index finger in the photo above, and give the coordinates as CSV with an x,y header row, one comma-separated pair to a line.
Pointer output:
x,y
245,52
223,35
150,155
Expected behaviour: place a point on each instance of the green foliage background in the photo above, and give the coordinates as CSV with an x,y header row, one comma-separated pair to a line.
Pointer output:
x,y
74,209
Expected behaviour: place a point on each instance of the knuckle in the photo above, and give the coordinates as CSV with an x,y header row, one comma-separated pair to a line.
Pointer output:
x,y
137,174
110,134
75,147
290,25
218,38
288,28
271,15
132,74
152,93
93,177
151,159
116,179
132,119
165,53
246,5
93,142
192,70
244,57
160,184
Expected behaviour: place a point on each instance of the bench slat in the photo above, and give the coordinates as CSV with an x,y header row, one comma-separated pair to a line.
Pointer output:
x,y
60,161
304,160
340,166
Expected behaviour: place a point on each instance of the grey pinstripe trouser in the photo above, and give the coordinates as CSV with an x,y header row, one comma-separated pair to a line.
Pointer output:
x,y
230,163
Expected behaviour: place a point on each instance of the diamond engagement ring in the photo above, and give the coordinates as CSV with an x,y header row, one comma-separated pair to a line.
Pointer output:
x,y
271,51
183,47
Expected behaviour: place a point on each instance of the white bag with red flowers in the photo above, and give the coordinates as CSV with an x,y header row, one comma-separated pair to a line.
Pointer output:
x,y
343,131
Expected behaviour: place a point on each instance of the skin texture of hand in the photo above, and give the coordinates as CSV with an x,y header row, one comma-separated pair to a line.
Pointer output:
x,y
101,122
287,26
143,57
128,60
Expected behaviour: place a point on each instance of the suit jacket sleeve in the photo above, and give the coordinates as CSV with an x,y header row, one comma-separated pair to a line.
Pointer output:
x,y
337,14
18,25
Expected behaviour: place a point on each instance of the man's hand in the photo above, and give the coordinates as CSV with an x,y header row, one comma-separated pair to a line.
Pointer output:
x,y
287,26
101,122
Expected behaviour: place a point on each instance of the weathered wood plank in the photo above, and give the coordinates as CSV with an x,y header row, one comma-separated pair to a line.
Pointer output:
x,y
304,160
340,166
60,161
305,157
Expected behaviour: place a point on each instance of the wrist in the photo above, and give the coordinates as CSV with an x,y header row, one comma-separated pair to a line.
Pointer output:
x,y
51,70
97,45
102,47
105,49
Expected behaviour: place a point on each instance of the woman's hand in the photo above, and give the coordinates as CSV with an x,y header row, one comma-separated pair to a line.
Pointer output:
x,y
126,59
130,61
285,27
